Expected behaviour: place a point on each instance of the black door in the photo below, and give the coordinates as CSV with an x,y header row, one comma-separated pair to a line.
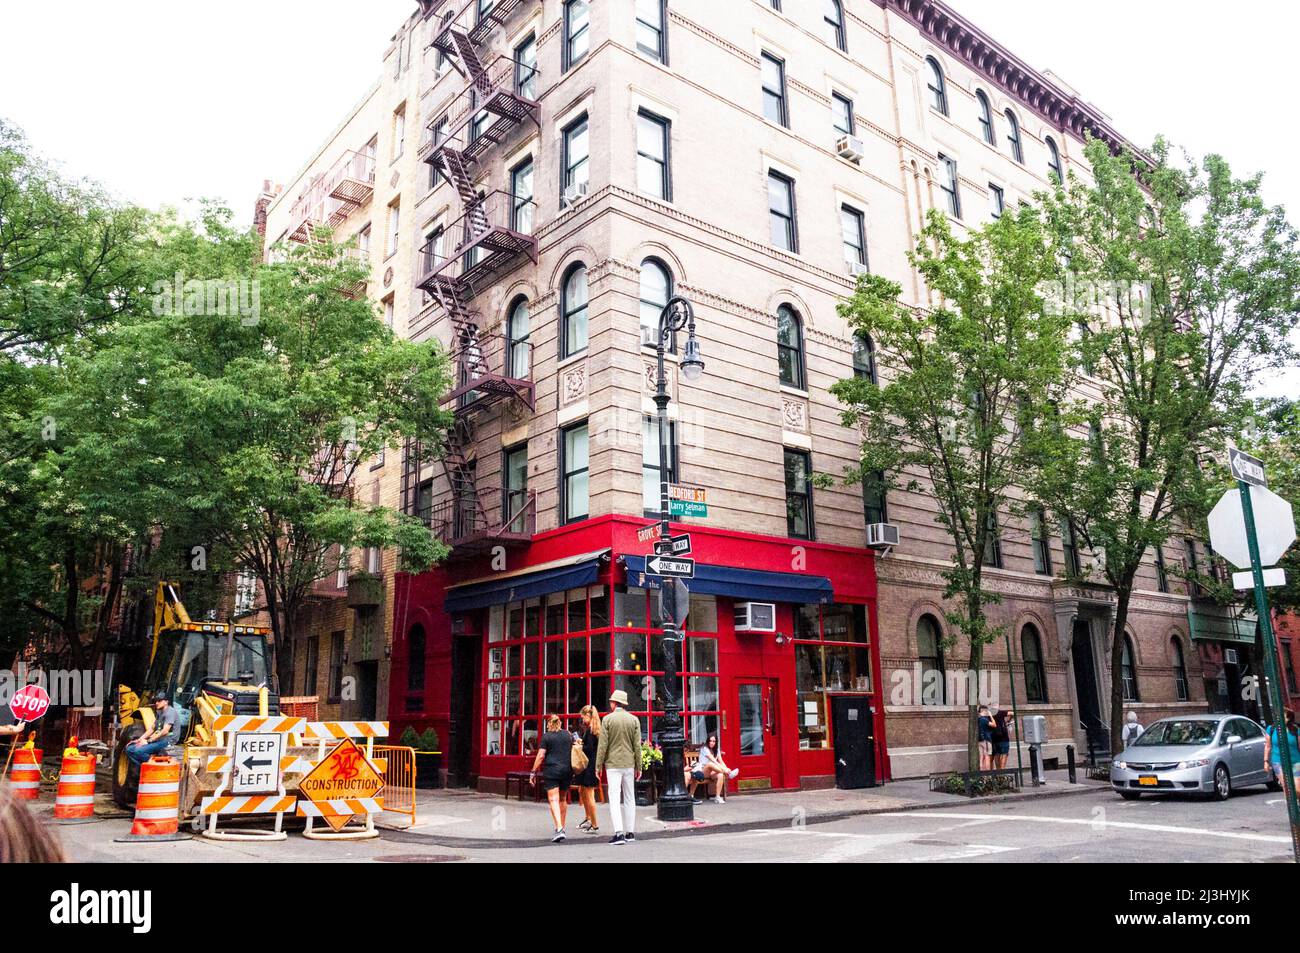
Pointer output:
x,y
1085,685
464,683
855,754
367,691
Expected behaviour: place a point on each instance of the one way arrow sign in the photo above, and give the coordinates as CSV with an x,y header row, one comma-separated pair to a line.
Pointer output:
x,y
1246,468
666,566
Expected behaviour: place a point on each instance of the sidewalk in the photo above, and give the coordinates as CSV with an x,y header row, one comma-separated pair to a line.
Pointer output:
x,y
469,819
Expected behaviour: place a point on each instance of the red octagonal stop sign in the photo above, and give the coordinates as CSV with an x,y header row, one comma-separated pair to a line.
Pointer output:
x,y
29,703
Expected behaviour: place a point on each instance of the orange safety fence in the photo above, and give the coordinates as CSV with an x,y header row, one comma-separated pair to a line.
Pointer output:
x,y
300,706
398,765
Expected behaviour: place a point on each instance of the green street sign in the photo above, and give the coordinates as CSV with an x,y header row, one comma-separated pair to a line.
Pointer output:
x,y
688,508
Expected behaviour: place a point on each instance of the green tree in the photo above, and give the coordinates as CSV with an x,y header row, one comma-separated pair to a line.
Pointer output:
x,y
958,382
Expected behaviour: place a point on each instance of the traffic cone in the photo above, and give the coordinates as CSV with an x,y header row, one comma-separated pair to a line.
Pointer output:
x,y
158,803
74,800
25,775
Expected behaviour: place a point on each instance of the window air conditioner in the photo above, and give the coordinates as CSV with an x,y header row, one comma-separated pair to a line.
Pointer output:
x,y
882,534
849,147
857,268
573,194
755,617
1230,656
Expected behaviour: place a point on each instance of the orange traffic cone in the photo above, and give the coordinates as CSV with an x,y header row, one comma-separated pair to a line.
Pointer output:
x,y
74,801
157,805
25,775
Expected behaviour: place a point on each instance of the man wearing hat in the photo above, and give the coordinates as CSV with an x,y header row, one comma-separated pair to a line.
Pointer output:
x,y
619,756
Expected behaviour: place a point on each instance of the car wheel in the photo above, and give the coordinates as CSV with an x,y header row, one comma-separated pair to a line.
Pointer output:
x,y
1222,783
1129,795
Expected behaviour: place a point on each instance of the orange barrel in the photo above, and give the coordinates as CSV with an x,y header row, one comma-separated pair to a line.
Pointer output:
x,y
158,803
75,798
25,774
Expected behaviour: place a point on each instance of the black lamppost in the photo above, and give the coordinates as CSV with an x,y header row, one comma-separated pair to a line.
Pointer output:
x,y
675,802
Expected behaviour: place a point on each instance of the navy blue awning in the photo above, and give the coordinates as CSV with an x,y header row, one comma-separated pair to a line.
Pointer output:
x,y
537,580
759,585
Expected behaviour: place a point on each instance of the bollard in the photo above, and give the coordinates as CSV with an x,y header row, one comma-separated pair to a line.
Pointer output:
x,y
1069,755
157,805
74,801
25,774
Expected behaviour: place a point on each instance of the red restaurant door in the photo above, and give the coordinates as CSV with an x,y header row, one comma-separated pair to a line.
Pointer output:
x,y
757,717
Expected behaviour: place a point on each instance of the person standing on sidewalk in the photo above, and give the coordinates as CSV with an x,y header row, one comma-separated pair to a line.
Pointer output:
x,y
588,780
618,754
554,757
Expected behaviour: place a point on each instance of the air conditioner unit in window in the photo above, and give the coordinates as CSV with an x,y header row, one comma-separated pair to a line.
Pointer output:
x,y
1229,656
881,535
755,617
849,147
857,268
573,194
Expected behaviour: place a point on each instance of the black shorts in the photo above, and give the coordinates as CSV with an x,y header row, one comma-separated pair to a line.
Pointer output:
x,y
1002,747
697,775
550,784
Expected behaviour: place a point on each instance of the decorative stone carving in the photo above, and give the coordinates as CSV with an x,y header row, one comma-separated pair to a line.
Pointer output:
x,y
794,414
573,383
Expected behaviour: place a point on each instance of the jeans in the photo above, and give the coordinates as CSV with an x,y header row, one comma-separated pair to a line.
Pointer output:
x,y
142,753
622,798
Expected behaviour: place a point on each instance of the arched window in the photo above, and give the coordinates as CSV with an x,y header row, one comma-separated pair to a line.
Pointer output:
x,y
1180,670
864,357
518,350
415,653
573,311
986,118
1013,138
1128,671
936,85
1031,654
656,289
1054,161
789,346
833,17
929,650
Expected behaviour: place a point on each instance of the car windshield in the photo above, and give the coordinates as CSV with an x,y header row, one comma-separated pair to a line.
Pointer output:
x,y
1178,733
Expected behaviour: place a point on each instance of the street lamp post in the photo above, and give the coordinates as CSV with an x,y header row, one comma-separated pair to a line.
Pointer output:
x,y
675,802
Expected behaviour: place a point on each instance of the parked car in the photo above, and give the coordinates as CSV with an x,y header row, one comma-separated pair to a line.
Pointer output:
x,y
1192,754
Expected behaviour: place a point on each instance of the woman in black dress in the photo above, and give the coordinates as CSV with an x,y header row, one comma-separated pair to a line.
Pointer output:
x,y
554,757
587,781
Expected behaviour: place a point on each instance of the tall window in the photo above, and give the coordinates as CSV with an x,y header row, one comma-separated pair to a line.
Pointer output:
x,y
986,117
874,509
576,154
521,197
336,667
774,105
415,657
652,170
1162,572
1040,543
853,233
1128,671
936,85
518,350
948,185
780,208
650,462
1193,568
573,311
1031,655
833,20
515,491
842,114
312,669
574,473
399,131
577,31
1013,137
798,494
997,200
1180,669
437,134
394,226
656,289
526,68
864,357
1070,549
651,37
789,347
993,543
929,652
1054,161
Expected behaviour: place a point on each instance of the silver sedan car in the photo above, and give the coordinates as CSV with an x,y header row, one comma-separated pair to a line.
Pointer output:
x,y
1192,754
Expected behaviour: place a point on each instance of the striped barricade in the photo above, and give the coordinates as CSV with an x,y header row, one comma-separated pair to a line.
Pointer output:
x,y
343,768
248,804
224,803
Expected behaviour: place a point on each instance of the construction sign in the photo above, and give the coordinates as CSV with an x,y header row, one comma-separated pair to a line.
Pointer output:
x,y
345,783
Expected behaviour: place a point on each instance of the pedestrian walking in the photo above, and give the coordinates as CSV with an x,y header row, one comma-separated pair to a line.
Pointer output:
x,y
1132,729
618,754
1273,753
588,780
555,759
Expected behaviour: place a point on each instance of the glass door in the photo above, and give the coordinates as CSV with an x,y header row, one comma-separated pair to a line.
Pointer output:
x,y
755,708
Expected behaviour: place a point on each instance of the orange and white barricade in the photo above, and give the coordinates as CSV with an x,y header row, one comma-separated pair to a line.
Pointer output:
x,y
25,774
345,784
158,803
74,800
232,797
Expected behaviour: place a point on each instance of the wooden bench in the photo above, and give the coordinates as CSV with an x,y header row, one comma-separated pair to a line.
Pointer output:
x,y
692,760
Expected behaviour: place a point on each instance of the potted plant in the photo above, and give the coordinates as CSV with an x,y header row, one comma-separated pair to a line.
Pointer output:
x,y
428,757
652,761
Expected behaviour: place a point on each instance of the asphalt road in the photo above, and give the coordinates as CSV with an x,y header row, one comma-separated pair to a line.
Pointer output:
x,y
1251,827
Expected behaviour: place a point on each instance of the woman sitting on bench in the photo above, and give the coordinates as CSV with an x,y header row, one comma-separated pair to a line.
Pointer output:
x,y
711,768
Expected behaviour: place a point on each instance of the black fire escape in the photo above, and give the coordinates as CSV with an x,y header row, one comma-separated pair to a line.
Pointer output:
x,y
493,233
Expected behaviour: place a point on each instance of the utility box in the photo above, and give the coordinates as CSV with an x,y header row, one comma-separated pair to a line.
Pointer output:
x,y
1035,728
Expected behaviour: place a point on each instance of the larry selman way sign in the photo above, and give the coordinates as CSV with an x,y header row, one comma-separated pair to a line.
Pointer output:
x,y
1274,527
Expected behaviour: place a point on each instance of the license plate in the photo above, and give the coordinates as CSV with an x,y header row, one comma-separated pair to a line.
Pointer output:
x,y
1148,780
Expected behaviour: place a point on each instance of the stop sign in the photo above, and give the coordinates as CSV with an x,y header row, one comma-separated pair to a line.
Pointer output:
x,y
29,703
1274,527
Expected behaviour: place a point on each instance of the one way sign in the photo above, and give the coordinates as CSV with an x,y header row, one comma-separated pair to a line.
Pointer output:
x,y
666,566
256,762
1246,468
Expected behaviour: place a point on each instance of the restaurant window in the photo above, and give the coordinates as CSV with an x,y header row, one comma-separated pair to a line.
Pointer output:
x,y
929,653
574,479
336,667
1031,656
650,477
1128,671
577,31
832,656
415,659
1180,670
798,494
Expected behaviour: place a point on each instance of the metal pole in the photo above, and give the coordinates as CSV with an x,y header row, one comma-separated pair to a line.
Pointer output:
x,y
1015,721
1270,661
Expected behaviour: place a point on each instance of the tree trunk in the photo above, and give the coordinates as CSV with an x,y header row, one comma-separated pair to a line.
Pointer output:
x,y
973,707
1123,594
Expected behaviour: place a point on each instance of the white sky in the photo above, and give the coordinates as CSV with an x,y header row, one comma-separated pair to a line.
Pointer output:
x,y
163,101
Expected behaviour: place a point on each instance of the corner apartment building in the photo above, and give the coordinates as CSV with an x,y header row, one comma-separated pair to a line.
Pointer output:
x,y
543,175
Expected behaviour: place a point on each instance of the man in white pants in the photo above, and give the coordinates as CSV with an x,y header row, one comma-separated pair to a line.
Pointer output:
x,y
619,756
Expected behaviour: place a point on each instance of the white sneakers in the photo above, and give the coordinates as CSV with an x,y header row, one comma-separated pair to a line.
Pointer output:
x,y
734,772
718,800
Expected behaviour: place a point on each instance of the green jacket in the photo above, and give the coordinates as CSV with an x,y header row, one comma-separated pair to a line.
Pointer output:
x,y
620,741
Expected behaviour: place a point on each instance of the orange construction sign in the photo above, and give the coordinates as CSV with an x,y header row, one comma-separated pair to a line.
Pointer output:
x,y
341,785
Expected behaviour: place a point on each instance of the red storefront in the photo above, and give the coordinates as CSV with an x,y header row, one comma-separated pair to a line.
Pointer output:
x,y
483,651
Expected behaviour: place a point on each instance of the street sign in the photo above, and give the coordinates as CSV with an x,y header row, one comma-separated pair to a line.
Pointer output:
x,y
345,774
1274,524
1246,468
666,566
675,546
648,532
256,762
674,602
29,703
687,501
1246,580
